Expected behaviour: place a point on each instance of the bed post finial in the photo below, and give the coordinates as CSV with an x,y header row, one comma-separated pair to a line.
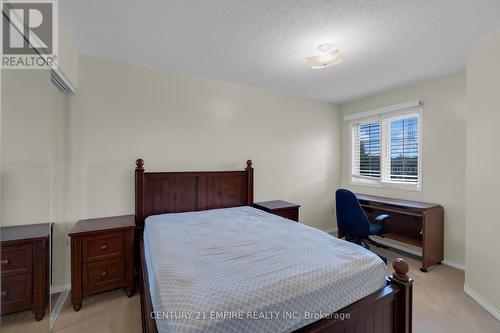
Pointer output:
x,y
400,279
249,172
139,164
401,269
139,193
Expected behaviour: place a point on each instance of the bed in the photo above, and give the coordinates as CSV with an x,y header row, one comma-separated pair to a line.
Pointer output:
x,y
209,262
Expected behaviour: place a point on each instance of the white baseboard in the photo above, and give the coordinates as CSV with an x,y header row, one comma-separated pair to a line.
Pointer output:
x,y
454,264
481,301
60,288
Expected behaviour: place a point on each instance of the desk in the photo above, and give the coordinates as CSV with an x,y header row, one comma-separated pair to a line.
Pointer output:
x,y
416,223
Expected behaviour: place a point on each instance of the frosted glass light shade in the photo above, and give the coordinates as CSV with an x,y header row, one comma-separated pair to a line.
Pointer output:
x,y
324,60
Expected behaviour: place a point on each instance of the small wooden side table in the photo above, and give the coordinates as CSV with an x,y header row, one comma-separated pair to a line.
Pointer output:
x,y
279,207
101,256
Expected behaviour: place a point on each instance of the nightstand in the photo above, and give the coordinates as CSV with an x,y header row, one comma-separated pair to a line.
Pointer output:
x,y
101,256
25,268
278,207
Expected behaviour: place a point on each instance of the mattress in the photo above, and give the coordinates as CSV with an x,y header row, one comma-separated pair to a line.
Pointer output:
x,y
244,270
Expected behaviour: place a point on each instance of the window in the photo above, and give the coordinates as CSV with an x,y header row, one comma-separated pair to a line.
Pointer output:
x,y
366,149
385,147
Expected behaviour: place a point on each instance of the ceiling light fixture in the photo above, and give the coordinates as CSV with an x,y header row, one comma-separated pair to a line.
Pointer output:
x,y
327,58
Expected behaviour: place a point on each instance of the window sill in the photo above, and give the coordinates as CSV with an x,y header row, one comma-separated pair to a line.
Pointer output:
x,y
393,186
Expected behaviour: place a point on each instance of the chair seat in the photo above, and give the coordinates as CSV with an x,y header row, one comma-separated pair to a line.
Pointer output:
x,y
375,229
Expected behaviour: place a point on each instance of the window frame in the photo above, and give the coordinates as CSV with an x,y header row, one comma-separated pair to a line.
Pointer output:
x,y
384,119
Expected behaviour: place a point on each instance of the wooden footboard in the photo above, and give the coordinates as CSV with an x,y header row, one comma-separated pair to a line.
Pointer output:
x,y
388,310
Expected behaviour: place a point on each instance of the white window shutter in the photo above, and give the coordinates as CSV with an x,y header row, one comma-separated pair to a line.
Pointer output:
x,y
355,149
366,149
401,157
385,149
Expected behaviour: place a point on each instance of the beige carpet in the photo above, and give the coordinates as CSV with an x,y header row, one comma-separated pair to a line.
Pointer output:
x,y
24,322
439,302
440,305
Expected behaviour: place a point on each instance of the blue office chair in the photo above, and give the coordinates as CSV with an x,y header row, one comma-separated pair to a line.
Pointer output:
x,y
354,223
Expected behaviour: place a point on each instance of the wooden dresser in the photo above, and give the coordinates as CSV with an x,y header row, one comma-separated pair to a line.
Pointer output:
x,y
279,207
25,268
101,256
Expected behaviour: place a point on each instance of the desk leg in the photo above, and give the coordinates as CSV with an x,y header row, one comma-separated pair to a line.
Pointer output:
x,y
340,234
433,235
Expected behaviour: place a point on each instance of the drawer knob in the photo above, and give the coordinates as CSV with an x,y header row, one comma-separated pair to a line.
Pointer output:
x,y
103,247
4,293
4,261
104,273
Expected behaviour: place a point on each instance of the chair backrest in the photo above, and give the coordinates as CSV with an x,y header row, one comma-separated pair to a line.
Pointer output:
x,y
351,218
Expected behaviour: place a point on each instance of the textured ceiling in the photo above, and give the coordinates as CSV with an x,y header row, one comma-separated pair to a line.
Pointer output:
x,y
264,42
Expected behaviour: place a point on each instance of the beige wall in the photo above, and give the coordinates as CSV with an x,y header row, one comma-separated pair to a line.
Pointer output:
x,y
443,153
26,147
68,58
123,112
34,156
483,139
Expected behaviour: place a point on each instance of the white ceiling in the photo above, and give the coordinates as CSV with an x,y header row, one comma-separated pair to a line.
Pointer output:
x,y
264,42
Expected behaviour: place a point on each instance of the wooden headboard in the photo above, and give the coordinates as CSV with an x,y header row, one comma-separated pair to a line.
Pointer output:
x,y
176,192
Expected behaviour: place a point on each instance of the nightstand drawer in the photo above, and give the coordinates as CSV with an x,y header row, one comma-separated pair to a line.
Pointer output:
x,y
16,259
291,214
103,275
102,246
16,293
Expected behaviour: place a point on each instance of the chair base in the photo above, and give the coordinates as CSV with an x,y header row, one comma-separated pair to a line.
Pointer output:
x,y
357,240
361,242
384,259
371,241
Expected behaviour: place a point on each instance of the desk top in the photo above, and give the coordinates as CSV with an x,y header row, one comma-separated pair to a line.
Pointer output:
x,y
103,223
276,205
396,202
25,232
